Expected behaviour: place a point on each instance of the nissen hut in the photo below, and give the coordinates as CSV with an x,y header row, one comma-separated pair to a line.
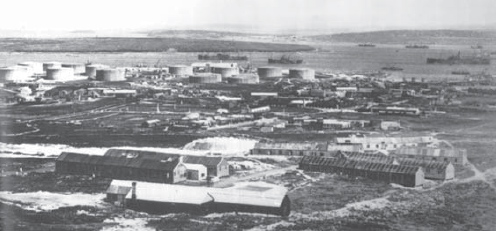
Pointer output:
x,y
408,176
255,197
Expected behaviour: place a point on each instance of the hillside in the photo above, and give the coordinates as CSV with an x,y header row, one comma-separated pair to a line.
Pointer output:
x,y
142,45
196,33
454,37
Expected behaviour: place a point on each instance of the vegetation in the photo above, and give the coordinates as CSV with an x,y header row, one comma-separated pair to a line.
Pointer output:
x,y
142,45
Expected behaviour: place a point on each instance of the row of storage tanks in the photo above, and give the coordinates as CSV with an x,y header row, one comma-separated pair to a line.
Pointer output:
x,y
232,75
60,71
67,71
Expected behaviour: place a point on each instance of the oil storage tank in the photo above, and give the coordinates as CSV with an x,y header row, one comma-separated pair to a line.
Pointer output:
x,y
90,70
226,71
205,78
243,79
111,75
78,68
181,70
60,73
36,67
51,65
269,72
13,74
302,73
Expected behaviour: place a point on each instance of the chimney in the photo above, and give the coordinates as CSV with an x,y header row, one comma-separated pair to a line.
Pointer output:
x,y
181,159
133,195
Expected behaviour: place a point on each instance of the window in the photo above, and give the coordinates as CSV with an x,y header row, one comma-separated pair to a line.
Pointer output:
x,y
368,145
203,174
321,154
456,160
445,159
377,145
434,158
301,153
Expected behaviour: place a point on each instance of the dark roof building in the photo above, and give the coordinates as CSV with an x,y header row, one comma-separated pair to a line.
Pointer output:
x,y
408,176
168,169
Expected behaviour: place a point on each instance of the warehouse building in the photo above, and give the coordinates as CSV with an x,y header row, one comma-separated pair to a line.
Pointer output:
x,y
255,197
432,170
130,167
453,155
407,176
385,143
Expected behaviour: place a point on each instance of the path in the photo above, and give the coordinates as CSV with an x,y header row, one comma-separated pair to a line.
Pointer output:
x,y
232,180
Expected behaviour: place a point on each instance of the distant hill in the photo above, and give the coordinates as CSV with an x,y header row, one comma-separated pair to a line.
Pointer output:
x,y
195,33
141,45
461,37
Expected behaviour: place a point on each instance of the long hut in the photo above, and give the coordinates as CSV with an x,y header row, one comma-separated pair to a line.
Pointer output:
x,y
409,176
255,197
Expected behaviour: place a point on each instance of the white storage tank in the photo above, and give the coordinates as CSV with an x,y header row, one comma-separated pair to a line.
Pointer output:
x,y
13,74
243,79
60,74
269,72
36,67
90,70
51,65
226,71
205,78
111,75
78,68
181,70
302,73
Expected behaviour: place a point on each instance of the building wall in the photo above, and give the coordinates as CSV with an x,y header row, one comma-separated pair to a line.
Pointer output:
x,y
223,168
179,173
408,180
121,172
286,152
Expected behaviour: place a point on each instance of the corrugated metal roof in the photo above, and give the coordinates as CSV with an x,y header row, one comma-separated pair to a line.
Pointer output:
x,y
246,193
209,161
360,165
118,189
424,164
168,163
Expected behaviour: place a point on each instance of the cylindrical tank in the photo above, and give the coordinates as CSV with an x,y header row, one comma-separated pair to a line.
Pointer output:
x,y
205,78
269,72
243,79
61,73
91,69
12,74
51,65
414,79
36,67
226,71
111,75
302,73
181,70
77,67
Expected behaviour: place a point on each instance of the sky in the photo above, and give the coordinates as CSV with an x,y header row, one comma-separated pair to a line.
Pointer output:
x,y
248,15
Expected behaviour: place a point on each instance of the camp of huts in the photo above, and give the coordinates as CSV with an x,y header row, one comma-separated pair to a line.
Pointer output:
x,y
143,165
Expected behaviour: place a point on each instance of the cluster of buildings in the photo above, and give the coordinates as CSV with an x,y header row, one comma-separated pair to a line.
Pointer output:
x,y
143,165
403,160
149,181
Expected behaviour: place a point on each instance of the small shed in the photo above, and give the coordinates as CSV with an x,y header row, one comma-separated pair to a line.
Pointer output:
x,y
196,172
